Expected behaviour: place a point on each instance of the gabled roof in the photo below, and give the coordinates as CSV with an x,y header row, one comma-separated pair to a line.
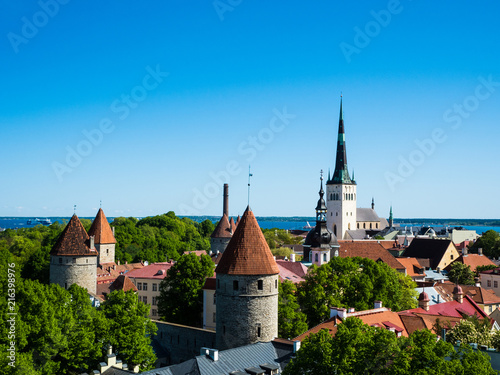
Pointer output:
x,y
74,240
292,271
122,282
101,230
247,253
368,249
473,261
433,249
452,309
223,228
478,294
156,271
413,267
366,214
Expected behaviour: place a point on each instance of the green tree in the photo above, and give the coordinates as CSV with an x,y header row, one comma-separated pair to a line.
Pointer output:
x,y
282,252
353,282
489,242
291,321
461,274
471,330
129,330
181,294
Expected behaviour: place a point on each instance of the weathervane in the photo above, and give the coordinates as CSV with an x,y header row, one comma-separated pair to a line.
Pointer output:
x,y
249,175
74,209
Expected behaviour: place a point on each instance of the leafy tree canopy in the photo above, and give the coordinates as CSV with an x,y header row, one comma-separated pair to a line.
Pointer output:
x,y
461,274
489,242
291,320
181,294
278,237
353,282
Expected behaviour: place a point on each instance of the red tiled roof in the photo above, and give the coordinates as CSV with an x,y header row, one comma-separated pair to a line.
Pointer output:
x,y
101,230
232,225
247,252
478,294
223,228
122,282
74,240
473,261
453,309
412,266
209,283
153,271
292,271
368,249
108,272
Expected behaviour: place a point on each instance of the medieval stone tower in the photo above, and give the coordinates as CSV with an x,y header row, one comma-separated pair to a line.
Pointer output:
x,y
341,190
104,239
246,288
73,259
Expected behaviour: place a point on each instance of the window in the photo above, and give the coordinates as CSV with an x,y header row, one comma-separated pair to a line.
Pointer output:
x,y
489,283
145,299
371,228
154,313
144,286
316,257
260,284
451,256
65,285
276,283
495,284
74,260
235,285
154,302
324,257
139,286
155,287
214,318
215,298
358,225
258,330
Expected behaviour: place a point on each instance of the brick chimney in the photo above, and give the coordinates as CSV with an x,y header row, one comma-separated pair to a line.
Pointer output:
x,y
225,208
480,251
92,246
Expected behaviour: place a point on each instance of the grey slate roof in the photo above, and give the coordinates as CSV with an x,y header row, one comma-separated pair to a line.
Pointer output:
x,y
230,361
366,214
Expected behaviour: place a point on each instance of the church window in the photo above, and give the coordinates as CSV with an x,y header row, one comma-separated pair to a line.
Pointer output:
x,y
316,257
370,225
376,225
235,285
349,226
324,257
364,225
260,284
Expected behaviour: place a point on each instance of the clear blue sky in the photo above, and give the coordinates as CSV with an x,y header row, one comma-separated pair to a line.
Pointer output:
x,y
409,71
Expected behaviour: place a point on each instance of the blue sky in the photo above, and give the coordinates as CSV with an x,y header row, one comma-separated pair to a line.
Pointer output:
x,y
151,106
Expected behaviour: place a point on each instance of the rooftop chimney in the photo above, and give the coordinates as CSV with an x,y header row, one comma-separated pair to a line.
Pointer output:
x,y
377,304
296,346
464,252
225,209
92,246
292,257
480,251
113,229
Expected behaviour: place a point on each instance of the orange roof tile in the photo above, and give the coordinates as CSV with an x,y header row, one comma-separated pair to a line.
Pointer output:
x,y
122,282
74,240
368,249
223,228
153,271
101,230
412,266
247,252
474,260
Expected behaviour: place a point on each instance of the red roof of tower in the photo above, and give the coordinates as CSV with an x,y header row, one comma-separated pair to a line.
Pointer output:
x,y
223,228
101,230
247,252
74,240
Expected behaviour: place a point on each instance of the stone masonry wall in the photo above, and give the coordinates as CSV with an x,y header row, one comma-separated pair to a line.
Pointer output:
x,y
246,315
219,244
106,253
68,270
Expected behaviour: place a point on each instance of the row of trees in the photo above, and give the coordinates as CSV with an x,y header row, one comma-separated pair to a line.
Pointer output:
x,y
361,349
57,331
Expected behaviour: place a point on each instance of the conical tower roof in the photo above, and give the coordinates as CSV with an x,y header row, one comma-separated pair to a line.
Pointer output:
x,y
101,230
232,225
223,228
74,240
247,252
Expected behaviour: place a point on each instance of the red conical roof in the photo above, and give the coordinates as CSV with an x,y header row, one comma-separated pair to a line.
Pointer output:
x,y
247,252
223,229
101,230
232,225
74,240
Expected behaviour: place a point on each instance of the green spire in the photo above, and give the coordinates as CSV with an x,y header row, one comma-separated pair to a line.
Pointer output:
x,y
341,117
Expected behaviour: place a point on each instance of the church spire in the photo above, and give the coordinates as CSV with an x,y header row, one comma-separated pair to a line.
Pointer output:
x,y
321,206
391,219
341,173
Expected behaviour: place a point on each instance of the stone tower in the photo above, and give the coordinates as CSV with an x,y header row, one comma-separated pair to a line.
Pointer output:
x,y
246,288
341,190
320,244
224,229
73,259
104,239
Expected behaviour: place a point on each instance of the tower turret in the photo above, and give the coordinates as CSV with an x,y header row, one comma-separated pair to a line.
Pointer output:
x,y
73,259
224,230
246,288
104,238
341,189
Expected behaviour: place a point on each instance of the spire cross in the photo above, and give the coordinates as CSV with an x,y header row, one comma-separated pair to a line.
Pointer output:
x,y
249,175
74,209
321,174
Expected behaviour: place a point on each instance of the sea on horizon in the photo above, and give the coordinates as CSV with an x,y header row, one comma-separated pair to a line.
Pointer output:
x,y
289,223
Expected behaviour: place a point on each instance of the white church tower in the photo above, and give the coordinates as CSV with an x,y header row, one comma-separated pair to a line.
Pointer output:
x,y
341,190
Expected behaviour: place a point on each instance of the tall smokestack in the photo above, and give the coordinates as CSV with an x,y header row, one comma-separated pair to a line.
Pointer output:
x,y
225,209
